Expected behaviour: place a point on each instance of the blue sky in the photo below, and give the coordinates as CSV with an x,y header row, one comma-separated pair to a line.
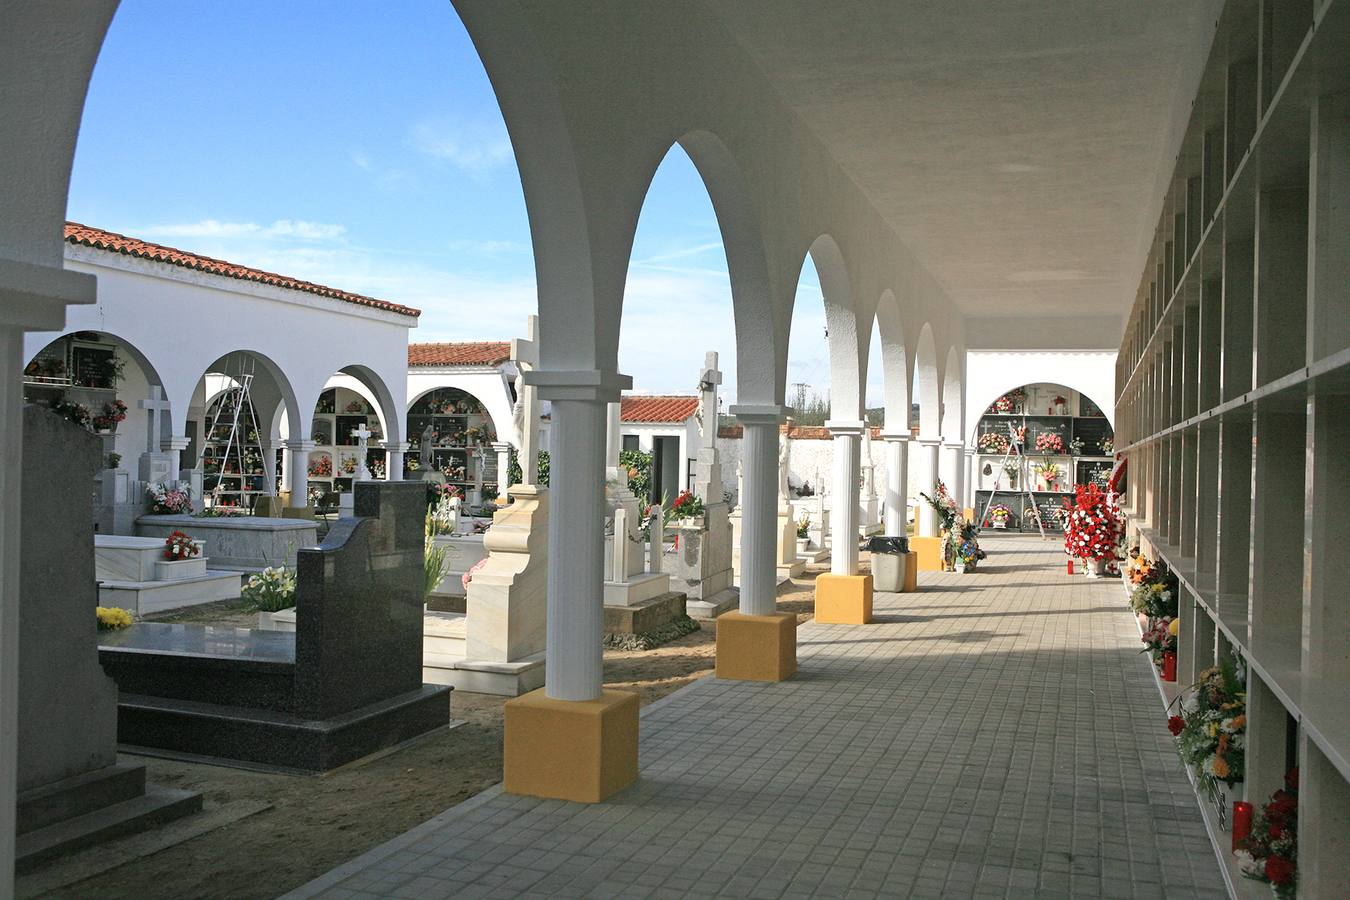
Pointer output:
x,y
366,151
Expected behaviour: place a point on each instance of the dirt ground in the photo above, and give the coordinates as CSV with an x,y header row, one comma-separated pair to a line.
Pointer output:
x,y
316,824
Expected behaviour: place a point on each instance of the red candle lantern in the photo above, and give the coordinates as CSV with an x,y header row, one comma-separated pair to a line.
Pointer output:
x,y
1070,566
1169,672
1242,821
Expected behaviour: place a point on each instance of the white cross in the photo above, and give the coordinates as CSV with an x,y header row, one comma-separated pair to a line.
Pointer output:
x,y
707,395
362,434
525,354
157,405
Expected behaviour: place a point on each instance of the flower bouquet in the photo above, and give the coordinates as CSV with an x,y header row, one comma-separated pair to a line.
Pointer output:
x,y
1011,469
349,465
355,407
72,412
803,527
1003,405
321,466
163,500
1076,446
1160,638
1049,442
1270,852
686,506
1211,729
999,514
114,412
1049,473
271,590
377,469
179,546
1155,590
1093,526
111,618
993,442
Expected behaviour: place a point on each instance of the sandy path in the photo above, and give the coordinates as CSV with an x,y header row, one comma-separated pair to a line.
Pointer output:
x,y
315,824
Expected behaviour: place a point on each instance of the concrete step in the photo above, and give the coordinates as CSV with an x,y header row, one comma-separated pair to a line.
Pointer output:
x,y
645,616
444,634
78,795
146,597
155,807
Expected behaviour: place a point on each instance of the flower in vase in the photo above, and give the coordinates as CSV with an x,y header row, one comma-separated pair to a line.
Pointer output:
x,y
1175,724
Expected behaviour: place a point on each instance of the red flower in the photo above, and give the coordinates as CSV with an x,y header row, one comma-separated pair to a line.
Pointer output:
x,y
1279,870
1175,724
1291,779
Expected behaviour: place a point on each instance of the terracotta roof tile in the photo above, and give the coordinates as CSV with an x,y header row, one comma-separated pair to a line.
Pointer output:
x,y
464,353
657,409
120,243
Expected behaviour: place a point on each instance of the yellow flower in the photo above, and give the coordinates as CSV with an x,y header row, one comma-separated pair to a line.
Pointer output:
x,y
112,617
1212,729
1174,627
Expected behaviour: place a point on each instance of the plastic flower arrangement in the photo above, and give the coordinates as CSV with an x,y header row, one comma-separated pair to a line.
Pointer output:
x,y
1000,514
1160,637
271,590
1270,852
686,506
993,442
1003,404
804,527
321,466
166,501
114,411
111,618
1093,526
1156,591
72,412
943,505
1049,442
179,546
1048,471
1211,733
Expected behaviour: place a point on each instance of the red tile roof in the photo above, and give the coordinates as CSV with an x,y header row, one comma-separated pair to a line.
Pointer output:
x,y
120,243
465,353
657,409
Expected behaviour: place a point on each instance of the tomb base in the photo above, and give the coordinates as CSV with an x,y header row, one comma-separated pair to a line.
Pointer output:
x,y
444,646
143,598
811,557
646,616
757,648
843,599
578,750
714,606
637,589
92,807
929,550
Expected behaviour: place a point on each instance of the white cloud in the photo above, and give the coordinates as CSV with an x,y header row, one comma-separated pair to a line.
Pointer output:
x,y
215,229
487,247
681,253
474,147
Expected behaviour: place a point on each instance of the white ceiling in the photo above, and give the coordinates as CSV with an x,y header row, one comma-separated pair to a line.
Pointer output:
x,y
1019,149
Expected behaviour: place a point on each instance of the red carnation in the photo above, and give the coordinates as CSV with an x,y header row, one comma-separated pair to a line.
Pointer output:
x,y
1175,724
1279,870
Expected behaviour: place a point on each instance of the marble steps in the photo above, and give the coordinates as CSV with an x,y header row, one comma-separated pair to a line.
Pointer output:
x,y
444,636
481,677
107,803
145,597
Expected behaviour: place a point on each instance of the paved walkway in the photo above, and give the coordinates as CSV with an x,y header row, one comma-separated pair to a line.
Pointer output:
x,y
996,734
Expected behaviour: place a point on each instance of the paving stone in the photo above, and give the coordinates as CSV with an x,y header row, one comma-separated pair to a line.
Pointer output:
x,y
993,734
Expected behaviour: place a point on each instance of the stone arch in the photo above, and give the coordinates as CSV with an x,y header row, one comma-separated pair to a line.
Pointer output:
x,y
979,404
274,389
847,351
387,409
953,386
894,362
926,385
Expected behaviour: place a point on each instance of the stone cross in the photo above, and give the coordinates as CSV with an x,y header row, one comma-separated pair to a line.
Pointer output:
x,y
525,354
157,406
707,398
362,434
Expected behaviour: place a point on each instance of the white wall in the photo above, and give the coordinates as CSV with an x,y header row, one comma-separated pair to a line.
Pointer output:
x,y
992,373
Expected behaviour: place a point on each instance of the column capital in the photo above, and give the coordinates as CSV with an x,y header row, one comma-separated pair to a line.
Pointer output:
x,y
500,446
846,427
177,442
584,384
300,446
896,436
758,413
954,445
34,297
396,446
930,442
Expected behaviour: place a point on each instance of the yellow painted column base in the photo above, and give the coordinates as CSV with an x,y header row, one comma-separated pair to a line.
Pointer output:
x,y
930,552
911,572
580,750
968,514
843,599
756,648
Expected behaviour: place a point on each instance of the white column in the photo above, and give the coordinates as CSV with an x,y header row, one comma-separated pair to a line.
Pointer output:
x,y
175,446
844,515
949,467
576,528
503,451
298,460
897,483
268,449
394,459
759,507
927,464
969,479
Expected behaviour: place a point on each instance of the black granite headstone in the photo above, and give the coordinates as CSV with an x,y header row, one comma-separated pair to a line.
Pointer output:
x,y
348,682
